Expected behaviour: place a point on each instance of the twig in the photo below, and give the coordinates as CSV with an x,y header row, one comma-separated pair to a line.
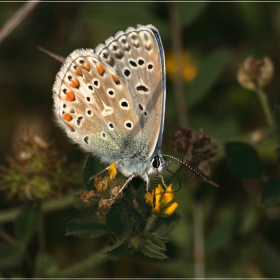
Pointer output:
x,y
17,18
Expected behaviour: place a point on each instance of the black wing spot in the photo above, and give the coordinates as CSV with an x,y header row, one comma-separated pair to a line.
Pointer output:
x,y
111,92
141,62
132,63
142,88
79,120
86,139
126,72
124,104
105,55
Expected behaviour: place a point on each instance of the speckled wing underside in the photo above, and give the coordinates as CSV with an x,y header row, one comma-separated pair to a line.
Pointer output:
x,y
111,101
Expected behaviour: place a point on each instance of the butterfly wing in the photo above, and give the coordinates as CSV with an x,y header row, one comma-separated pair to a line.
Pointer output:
x,y
93,105
137,56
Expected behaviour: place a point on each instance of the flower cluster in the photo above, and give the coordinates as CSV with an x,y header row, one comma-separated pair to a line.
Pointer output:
x,y
107,190
35,171
196,147
161,201
189,66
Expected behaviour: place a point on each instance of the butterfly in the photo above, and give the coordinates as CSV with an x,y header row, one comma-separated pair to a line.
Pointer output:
x,y
111,101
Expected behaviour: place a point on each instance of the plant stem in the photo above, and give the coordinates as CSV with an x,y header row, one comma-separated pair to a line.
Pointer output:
x,y
198,228
265,106
176,36
150,222
183,120
83,266
52,205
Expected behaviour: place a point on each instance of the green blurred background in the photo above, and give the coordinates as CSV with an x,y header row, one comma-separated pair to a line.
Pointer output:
x,y
241,235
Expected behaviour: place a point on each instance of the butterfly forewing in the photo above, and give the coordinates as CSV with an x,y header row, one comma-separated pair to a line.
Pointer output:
x,y
135,56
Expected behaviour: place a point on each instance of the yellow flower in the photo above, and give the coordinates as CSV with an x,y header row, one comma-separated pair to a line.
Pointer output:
x,y
102,184
189,66
161,200
112,172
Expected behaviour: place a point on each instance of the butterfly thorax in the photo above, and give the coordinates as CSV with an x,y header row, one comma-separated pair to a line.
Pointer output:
x,y
142,167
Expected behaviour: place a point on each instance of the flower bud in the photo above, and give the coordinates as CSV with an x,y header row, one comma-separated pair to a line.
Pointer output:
x,y
253,73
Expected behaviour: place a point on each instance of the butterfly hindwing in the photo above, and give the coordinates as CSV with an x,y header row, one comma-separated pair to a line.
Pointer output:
x,y
94,107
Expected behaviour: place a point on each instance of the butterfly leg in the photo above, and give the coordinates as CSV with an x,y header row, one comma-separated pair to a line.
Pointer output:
x,y
162,181
102,170
124,185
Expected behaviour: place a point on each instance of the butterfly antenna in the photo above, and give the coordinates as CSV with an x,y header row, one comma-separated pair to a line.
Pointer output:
x,y
176,177
55,56
195,171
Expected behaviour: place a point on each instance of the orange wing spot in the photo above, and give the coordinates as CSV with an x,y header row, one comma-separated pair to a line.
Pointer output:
x,y
74,83
86,66
70,96
67,117
79,72
100,69
115,79
70,127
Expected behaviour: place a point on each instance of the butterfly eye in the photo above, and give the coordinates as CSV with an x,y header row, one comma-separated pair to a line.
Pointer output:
x,y
156,162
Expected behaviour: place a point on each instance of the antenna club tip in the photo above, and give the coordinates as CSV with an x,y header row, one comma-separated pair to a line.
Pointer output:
x,y
212,183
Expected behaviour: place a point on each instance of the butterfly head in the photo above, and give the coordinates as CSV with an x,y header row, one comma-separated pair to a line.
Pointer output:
x,y
158,163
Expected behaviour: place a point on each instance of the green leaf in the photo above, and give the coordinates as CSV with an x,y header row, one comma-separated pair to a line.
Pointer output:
x,y
85,228
153,251
140,197
114,222
277,116
209,70
189,12
45,266
133,213
221,235
88,172
271,193
27,223
277,152
158,242
269,256
243,160
128,14
217,127
164,225
118,250
10,256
